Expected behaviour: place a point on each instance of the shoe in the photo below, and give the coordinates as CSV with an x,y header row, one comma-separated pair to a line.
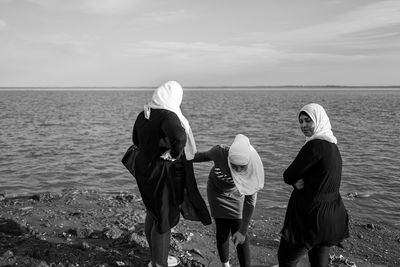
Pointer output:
x,y
172,261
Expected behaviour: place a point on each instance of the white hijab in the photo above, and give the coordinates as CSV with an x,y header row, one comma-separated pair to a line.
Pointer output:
x,y
169,96
323,129
241,152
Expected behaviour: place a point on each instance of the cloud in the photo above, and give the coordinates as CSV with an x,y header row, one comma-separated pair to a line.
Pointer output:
x,y
81,45
222,55
373,16
367,20
100,7
163,16
52,46
3,24
108,7
366,32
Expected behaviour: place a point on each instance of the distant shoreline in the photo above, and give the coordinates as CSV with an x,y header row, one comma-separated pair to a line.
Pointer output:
x,y
205,88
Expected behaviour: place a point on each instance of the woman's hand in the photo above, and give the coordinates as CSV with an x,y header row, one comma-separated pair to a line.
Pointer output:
x,y
238,238
167,156
299,184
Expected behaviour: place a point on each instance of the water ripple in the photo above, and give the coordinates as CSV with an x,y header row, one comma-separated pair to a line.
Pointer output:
x,y
52,140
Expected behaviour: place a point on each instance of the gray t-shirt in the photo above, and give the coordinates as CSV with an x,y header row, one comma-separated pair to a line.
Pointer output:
x,y
224,198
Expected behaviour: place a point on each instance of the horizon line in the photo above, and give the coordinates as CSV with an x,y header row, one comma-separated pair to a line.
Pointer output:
x,y
204,86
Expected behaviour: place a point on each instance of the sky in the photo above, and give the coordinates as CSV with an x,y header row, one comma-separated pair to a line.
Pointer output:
x,y
106,43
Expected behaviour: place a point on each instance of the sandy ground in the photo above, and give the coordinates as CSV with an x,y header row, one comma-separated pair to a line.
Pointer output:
x,y
88,228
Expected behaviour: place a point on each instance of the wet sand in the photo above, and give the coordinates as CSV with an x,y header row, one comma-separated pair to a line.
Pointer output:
x,y
90,228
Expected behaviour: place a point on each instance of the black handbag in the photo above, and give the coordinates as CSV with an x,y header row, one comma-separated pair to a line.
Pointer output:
x,y
129,158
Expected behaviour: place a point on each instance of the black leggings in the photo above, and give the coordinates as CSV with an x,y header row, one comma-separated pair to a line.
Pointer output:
x,y
225,228
290,254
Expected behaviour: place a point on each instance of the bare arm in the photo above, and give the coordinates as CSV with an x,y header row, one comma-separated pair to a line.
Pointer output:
x,y
248,207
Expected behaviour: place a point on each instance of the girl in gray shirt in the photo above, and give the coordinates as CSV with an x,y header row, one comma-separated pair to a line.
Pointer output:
x,y
232,186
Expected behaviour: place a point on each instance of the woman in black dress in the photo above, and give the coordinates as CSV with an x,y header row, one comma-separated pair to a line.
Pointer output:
x,y
164,168
316,218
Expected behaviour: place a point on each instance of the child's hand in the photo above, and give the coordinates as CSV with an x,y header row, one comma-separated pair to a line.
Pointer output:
x,y
238,238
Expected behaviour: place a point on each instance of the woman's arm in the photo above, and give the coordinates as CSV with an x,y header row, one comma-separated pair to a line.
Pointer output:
x,y
248,208
206,155
304,160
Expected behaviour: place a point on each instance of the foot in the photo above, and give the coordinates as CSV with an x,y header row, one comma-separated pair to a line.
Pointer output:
x,y
172,261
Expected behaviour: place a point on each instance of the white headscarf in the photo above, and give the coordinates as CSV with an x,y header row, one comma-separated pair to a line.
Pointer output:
x,y
241,152
169,96
323,129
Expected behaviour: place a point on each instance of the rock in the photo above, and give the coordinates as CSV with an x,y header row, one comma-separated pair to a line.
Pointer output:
x,y
46,224
101,249
195,250
96,234
8,226
138,239
27,208
179,236
43,264
352,194
8,259
7,254
84,232
81,245
113,233
360,236
370,226
70,232
35,197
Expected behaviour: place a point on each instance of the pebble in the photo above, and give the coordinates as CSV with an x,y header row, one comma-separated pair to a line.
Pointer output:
x,y
370,226
85,245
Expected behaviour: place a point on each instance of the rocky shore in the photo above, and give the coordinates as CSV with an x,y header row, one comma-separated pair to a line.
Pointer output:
x,y
90,228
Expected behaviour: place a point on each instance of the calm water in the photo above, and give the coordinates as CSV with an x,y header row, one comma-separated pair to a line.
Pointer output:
x,y
50,140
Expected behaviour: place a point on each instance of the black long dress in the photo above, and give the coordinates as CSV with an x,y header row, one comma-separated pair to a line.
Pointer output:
x,y
316,214
161,183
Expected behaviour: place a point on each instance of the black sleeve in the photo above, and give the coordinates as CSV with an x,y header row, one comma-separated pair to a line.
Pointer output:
x,y
175,133
205,156
304,160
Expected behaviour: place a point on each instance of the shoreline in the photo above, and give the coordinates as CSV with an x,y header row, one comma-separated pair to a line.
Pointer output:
x,y
92,228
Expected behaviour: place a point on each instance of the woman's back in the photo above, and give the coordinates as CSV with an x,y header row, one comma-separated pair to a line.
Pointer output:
x,y
151,136
326,174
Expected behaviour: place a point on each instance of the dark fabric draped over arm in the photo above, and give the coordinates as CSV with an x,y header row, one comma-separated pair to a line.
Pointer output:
x,y
135,138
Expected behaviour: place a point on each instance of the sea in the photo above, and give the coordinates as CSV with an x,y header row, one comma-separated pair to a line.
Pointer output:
x,y
57,138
